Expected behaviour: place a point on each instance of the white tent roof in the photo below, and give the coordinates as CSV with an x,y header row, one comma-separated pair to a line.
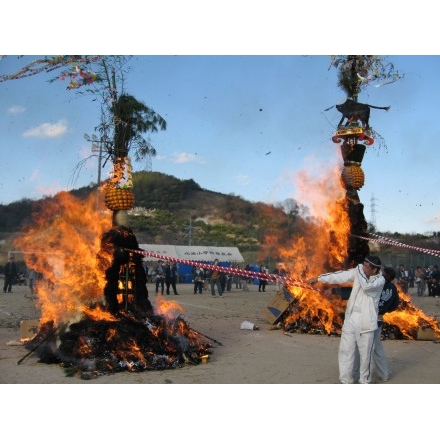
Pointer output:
x,y
194,253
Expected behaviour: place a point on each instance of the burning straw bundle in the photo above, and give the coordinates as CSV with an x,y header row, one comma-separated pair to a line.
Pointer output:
x,y
94,348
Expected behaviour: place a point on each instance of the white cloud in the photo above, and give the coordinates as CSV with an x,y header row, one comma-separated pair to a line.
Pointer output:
x,y
242,179
16,109
48,130
34,175
185,158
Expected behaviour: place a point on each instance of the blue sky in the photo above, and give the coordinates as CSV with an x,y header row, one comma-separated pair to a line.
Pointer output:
x,y
242,125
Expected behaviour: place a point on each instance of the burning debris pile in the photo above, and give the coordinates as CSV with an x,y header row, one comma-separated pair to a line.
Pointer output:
x,y
93,348
323,313
299,319
96,317
321,246
407,320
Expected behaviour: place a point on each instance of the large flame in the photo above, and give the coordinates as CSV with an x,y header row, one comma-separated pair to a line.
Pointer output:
x,y
322,247
62,245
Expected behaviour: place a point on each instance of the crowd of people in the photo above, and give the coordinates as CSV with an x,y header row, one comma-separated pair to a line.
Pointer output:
x,y
165,276
12,276
425,279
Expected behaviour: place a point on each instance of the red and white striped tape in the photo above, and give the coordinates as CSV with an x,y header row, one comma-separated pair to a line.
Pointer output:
x,y
286,280
232,270
391,242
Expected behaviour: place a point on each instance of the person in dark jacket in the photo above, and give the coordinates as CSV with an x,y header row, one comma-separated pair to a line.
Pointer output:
x,y
171,277
215,280
435,282
160,278
263,281
402,278
10,274
198,280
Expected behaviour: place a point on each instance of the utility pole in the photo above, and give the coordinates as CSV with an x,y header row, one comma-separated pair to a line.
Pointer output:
x,y
99,161
190,233
97,148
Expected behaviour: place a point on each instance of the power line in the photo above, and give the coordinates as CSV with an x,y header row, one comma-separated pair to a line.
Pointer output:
x,y
373,210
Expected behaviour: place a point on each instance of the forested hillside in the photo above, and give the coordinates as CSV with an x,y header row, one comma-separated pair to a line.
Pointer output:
x,y
180,212
173,211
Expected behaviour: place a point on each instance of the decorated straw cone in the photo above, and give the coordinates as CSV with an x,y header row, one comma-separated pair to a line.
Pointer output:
x,y
352,176
119,190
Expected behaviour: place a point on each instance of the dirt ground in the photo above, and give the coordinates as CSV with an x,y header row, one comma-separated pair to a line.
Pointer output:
x,y
260,356
256,384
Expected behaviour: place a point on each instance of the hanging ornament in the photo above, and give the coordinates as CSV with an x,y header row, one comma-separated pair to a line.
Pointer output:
x,y
352,176
119,190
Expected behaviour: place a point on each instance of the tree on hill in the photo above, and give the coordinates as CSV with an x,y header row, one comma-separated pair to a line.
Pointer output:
x,y
124,119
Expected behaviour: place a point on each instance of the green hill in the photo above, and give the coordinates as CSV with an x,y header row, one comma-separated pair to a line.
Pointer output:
x,y
173,211
180,212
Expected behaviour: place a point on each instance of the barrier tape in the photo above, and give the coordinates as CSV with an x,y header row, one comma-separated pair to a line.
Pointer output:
x,y
285,280
232,270
389,241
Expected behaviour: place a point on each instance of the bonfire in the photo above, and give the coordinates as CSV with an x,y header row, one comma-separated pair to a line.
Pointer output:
x,y
96,317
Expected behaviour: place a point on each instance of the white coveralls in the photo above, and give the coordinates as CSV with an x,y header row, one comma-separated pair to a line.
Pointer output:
x,y
360,320
379,361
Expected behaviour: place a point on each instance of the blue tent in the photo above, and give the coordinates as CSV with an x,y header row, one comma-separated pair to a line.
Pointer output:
x,y
185,271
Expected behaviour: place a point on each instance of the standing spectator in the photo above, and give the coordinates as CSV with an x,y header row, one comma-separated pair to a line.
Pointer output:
x,y
171,277
160,277
420,280
435,281
146,269
411,276
263,282
428,278
226,281
32,279
360,316
10,274
428,271
198,280
402,278
215,280
237,278
246,280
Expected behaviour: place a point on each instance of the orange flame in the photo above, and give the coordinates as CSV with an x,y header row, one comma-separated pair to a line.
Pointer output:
x,y
322,246
62,245
409,319
323,241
